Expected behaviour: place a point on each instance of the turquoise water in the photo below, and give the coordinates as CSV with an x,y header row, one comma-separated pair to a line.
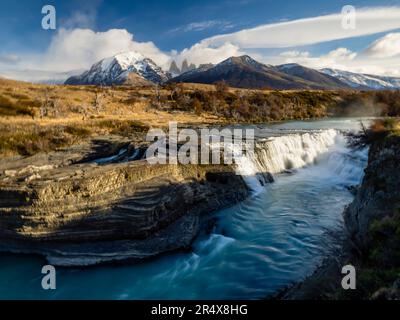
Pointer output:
x,y
257,247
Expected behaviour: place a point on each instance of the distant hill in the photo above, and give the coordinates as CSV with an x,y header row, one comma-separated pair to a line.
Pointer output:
x,y
312,75
245,72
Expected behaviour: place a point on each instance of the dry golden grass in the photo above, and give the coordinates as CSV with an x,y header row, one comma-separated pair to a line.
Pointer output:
x,y
75,113
31,113
73,104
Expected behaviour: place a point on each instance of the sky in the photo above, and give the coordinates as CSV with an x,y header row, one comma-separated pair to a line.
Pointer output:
x,y
274,32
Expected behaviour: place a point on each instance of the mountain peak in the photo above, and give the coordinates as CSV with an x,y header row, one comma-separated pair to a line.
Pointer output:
x,y
174,69
187,67
245,59
289,66
124,59
245,72
126,67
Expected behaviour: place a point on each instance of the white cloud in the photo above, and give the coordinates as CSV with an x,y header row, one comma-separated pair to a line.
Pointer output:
x,y
201,53
341,58
77,48
85,17
80,48
297,33
385,47
9,58
337,59
80,20
221,25
295,54
312,30
341,54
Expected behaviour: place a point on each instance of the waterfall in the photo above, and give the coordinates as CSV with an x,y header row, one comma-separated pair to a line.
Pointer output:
x,y
283,153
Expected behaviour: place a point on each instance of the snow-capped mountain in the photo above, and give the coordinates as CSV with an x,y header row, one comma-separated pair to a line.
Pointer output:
x,y
364,81
325,80
245,72
124,68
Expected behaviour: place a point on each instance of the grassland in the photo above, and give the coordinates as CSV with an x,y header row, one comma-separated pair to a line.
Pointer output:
x,y
36,118
39,118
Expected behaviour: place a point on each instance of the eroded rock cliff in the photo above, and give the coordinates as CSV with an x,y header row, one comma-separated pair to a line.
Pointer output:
x,y
82,213
379,194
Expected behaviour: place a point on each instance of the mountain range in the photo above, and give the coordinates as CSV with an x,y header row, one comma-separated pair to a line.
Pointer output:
x,y
364,81
174,70
245,72
132,68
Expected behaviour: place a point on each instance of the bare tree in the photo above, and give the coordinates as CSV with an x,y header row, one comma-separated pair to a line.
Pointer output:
x,y
50,106
157,95
98,101
44,108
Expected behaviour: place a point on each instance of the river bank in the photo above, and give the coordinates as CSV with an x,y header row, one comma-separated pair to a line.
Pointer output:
x,y
100,202
372,241
273,238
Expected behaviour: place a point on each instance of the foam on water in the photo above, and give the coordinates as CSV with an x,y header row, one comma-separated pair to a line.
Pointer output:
x,y
256,247
278,154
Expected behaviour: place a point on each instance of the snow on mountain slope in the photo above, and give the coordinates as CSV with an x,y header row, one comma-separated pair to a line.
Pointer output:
x,y
364,81
325,80
129,67
245,72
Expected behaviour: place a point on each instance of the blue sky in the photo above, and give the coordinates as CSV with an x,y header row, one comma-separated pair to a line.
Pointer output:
x,y
172,26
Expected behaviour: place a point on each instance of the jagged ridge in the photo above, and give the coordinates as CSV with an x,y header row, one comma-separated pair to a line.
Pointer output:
x,y
245,72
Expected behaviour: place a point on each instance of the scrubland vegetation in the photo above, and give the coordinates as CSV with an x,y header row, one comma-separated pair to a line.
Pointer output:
x,y
379,130
273,105
36,118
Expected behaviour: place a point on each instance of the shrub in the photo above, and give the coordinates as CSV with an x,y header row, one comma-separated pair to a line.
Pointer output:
x,y
197,107
124,128
30,142
77,131
379,129
22,107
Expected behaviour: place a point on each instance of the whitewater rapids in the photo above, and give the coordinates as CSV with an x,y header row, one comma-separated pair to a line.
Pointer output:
x,y
276,237
283,154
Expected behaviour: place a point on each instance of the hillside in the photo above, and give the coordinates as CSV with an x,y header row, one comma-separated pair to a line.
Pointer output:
x,y
245,72
364,81
311,75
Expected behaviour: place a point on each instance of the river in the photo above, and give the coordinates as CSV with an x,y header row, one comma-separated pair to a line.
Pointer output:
x,y
274,238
